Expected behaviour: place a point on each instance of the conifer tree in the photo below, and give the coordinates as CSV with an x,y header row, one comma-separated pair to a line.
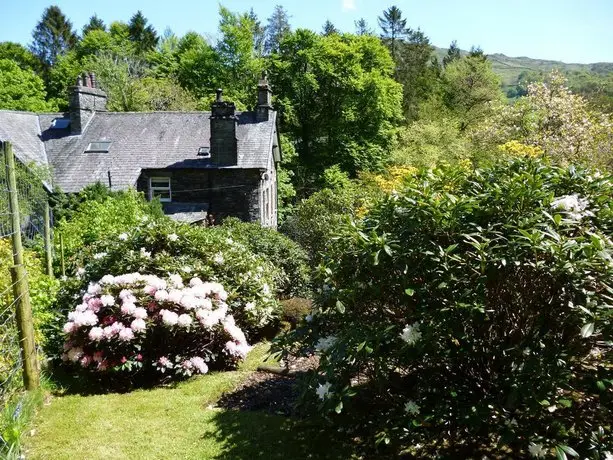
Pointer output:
x,y
329,29
142,34
394,27
95,23
52,36
361,27
278,27
453,54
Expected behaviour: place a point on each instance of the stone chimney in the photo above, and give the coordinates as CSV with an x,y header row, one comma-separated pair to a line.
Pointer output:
x,y
223,132
85,99
264,106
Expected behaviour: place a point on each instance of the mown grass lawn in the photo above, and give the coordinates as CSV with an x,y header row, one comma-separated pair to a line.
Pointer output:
x,y
174,423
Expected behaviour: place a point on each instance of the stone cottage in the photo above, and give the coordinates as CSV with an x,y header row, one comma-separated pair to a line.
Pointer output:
x,y
219,163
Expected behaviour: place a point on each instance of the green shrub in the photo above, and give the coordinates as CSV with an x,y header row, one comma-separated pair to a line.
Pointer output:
x,y
473,310
283,253
294,310
163,247
315,220
102,218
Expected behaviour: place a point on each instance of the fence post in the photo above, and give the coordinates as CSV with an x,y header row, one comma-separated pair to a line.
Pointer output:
x,y
62,255
48,253
23,312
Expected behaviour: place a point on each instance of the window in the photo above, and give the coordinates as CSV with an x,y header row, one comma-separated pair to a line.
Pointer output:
x,y
60,123
159,187
98,147
204,152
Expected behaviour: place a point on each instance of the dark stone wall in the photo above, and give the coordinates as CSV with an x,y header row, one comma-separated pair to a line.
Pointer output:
x,y
228,192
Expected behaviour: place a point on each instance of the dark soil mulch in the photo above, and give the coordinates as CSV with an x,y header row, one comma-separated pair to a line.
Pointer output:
x,y
268,392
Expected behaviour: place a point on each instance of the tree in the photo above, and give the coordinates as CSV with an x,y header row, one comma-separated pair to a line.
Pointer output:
x,y
361,27
453,54
240,65
95,23
19,54
469,87
259,33
336,110
394,27
21,89
52,37
143,35
551,117
278,27
477,52
199,66
416,71
329,29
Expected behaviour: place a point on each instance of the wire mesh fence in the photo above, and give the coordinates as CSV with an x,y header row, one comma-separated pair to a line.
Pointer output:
x,y
23,204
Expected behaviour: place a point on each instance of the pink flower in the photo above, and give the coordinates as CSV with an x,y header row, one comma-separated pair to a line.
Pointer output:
x,y
184,320
140,313
103,366
138,325
125,293
175,296
237,350
108,300
195,281
128,308
126,334
98,357
96,334
86,361
161,296
176,280
69,327
94,304
169,318
199,364
150,290
164,362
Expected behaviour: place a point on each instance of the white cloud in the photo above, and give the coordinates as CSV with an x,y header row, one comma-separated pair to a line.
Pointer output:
x,y
348,5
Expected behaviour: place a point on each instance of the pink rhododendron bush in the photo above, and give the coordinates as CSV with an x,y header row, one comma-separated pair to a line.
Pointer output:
x,y
135,324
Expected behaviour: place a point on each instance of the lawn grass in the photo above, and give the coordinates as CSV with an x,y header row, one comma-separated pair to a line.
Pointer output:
x,y
173,423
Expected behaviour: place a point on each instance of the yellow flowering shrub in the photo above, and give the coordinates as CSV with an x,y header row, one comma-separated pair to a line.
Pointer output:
x,y
517,149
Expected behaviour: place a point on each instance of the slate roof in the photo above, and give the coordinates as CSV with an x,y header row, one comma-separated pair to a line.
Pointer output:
x,y
143,140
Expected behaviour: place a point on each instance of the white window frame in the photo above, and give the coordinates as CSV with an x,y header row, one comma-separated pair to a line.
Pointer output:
x,y
153,189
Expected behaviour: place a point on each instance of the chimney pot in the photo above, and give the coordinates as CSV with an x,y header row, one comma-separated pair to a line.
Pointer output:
x,y
219,95
92,79
79,81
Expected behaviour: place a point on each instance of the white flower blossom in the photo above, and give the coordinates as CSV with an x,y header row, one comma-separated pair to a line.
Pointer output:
x,y
323,390
325,343
123,236
575,207
99,255
249,306
537,450
608,456
144,253
173,237
411,407
218,259
411,334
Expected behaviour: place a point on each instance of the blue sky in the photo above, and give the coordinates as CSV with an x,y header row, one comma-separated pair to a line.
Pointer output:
x,y
567,30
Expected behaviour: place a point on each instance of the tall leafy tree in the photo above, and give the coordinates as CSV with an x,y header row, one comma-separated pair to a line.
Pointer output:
x,y
329,28
94,23
19,54
469,87
142,34
240,65
394,27
21,89
337,111
278,27
453,54
361,27
52,36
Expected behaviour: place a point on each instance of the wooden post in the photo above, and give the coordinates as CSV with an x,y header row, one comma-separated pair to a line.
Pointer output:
x,y
23,315
62,255
48,253
9,161
19,276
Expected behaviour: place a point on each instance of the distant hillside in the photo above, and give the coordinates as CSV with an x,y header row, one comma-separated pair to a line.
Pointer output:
x,y
509,68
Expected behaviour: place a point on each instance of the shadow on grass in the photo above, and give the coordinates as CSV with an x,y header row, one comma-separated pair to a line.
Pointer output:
x,y
258,435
